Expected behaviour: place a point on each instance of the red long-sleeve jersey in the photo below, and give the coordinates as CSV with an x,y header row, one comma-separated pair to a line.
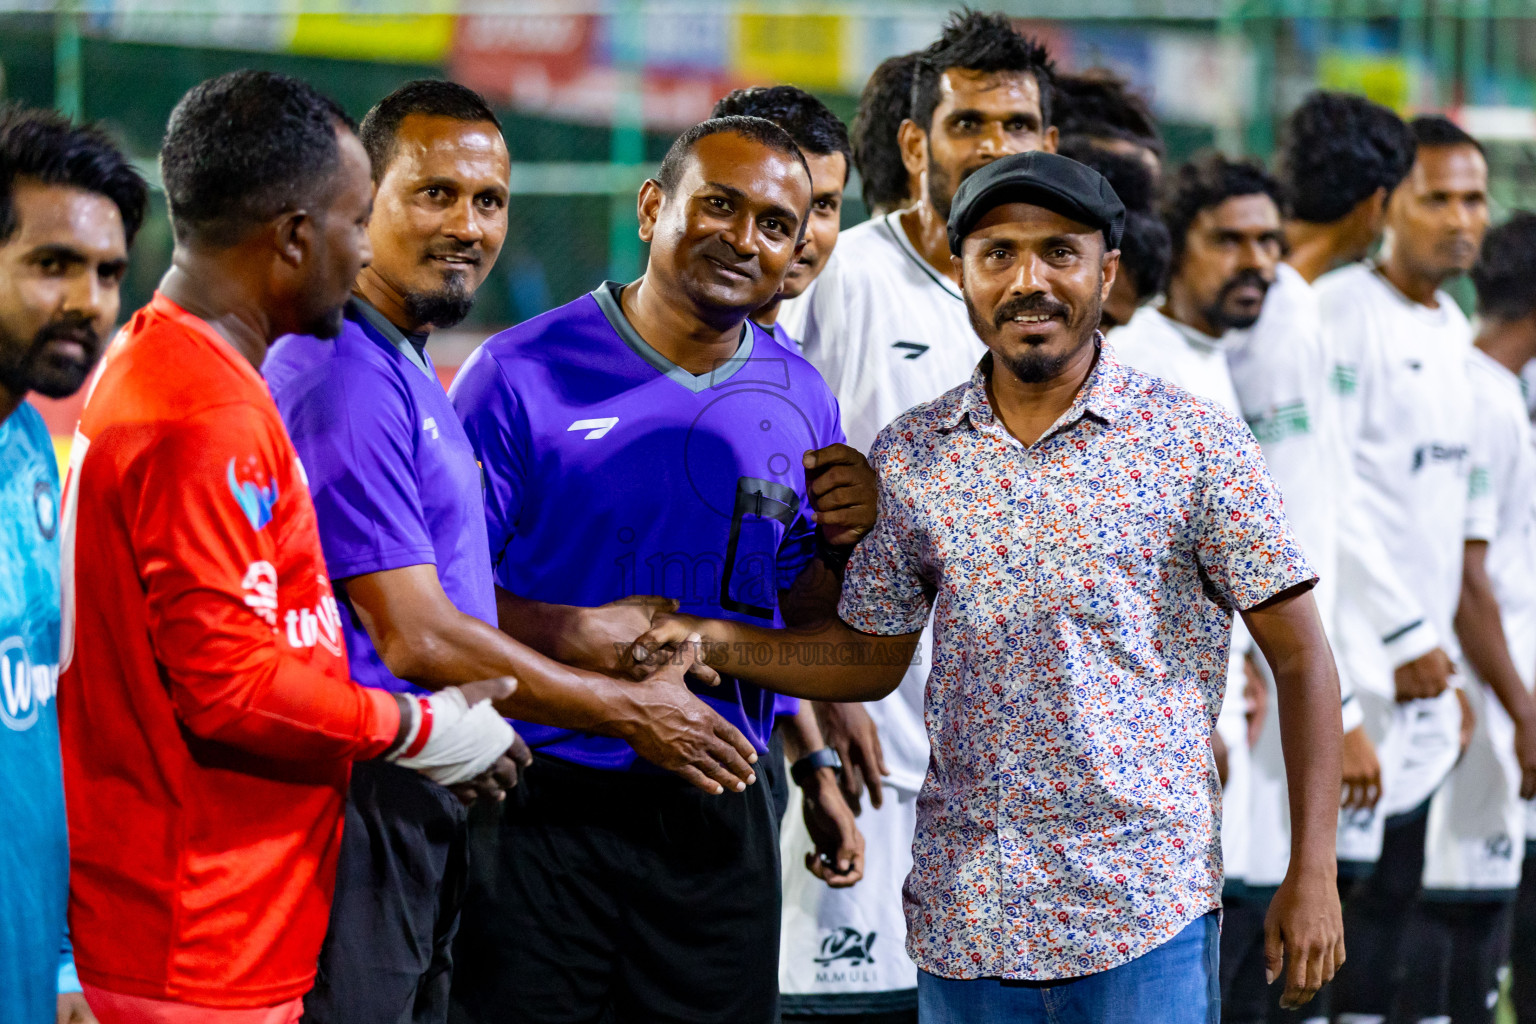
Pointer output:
x,y
207,718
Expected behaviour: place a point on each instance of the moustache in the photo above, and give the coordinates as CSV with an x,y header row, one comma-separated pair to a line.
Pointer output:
x,y
1033,305
80,331
1246,278
723,253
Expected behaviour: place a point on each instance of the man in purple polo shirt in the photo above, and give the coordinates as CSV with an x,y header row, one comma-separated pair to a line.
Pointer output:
x,y
398,499
649,439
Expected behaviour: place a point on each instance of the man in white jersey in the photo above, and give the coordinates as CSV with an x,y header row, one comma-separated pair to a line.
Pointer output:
x,y
1223,218
1477,819
886,325
1341,156
1408,419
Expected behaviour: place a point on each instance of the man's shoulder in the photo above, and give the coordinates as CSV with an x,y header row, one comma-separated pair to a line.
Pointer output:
x,y
161,371
553,329
868,256
1498,391
1158,406
1355,284
31,433
353,360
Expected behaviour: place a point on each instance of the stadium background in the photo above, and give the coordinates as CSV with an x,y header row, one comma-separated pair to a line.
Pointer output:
x,y
591,93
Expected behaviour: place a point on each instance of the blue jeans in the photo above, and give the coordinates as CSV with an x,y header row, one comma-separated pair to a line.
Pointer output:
x,y
1176,983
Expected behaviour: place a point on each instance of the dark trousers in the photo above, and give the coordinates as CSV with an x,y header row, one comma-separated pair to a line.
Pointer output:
x,y
619,897
399,882
1453,950
1376,914
1245,997
1522,989
893,1017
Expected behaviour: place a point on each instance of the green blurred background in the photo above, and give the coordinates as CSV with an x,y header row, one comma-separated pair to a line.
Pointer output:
x,y
592,93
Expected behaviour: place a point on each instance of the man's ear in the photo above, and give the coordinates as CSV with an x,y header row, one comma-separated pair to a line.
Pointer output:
x,y
913,142
648,208
1050,140
1111,269
293,236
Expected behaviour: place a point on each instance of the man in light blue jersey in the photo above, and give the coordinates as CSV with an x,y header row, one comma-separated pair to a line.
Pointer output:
x,y
69,206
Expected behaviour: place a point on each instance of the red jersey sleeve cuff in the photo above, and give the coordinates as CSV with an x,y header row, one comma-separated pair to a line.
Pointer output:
x,y
384,721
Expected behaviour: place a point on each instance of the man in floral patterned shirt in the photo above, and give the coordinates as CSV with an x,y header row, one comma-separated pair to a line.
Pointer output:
x,y
1084,533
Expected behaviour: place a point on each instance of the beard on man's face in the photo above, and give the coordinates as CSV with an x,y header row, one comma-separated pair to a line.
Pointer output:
x,y
31,366
327,325
1217,314
942,186
1034,364
443,307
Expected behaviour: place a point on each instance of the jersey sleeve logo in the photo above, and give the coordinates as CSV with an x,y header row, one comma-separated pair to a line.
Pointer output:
x,y
254,500
594,428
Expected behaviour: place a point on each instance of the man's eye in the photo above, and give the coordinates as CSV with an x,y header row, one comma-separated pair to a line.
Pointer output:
x,y
718,203
773,225
50,265
998,254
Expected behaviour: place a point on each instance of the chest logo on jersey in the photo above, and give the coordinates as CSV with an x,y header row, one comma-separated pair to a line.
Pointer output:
x,y
913,349
848,944
1426,453
46,505
254,498
429,427
594,428
25,688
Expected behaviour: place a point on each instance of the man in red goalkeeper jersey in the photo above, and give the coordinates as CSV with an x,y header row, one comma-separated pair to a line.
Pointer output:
x,y
207,716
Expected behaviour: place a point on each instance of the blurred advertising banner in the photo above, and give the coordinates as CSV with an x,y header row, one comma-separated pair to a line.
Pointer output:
x,y
1385,78
562,66
417,32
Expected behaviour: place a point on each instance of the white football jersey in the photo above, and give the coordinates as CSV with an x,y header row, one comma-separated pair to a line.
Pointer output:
x,y
1406,406
888,332
1477,820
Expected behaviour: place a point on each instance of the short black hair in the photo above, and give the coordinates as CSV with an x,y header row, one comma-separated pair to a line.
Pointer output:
x,y
979,42
814,128
1505,268
1433,130
1146,253
1337,150
1100,104
1129,176
432,97
39,145
753,129
883,105
1205,182
244,147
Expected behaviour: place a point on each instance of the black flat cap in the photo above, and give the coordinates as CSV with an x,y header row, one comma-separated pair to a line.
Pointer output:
x,y
1053,182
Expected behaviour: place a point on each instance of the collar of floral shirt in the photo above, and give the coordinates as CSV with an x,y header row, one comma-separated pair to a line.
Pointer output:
x,y
1101,396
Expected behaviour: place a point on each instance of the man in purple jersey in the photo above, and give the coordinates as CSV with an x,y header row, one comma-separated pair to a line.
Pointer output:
x,y
398,499
649,439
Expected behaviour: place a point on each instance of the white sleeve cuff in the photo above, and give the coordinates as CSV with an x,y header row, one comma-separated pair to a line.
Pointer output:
x,y
1410,642
1354,714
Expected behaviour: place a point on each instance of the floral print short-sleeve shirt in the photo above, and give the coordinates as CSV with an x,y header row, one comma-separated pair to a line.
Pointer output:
x,y
1083,590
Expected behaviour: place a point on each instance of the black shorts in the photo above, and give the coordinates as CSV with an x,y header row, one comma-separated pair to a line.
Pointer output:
x,y
399,883
622,898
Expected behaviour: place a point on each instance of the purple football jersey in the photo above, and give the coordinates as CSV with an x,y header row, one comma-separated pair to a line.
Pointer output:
x,y
612,472
783,705
393,476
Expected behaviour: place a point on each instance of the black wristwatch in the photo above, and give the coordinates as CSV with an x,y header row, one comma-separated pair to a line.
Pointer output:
x,y
802,770
833,558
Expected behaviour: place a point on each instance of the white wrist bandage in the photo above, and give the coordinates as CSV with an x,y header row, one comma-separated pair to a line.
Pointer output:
x,y
450,742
